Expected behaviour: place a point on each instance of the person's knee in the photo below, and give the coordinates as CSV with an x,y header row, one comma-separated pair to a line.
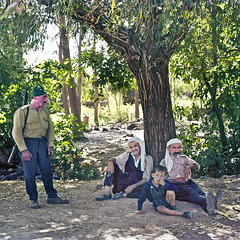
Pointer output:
x,y
170,194
199,199
161,209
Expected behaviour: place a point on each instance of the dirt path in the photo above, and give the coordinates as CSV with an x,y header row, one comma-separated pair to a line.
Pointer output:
x,y
84,218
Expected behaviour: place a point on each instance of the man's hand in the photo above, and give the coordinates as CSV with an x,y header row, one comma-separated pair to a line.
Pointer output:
x,y
110,167
50,151
139,211
187,172
130,188
26,155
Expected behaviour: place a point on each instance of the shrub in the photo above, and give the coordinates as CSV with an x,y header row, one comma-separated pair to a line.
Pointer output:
x,y
68,157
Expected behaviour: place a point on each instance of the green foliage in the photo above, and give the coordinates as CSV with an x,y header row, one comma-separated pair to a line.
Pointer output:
x,y
115,72
208,59
110,113
108,68
12,87
85,172
202,143
67,157
18,33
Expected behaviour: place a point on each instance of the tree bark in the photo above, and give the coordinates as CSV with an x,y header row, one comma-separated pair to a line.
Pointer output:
x,y
137,104
79,85
96,104
217,109
61,61
73,98
154,91
65,99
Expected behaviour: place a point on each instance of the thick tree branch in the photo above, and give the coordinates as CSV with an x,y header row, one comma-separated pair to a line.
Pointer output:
x,y
99,23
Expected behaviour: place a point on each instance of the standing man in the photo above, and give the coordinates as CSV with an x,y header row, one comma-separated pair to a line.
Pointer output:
x,y
34,136
179,173
127,172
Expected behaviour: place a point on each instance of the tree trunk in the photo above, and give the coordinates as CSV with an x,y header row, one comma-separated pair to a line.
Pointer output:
x,y
61,61
96,104
159,126
79,85
71,86
136,103
65,99
117,104
216,108
107,98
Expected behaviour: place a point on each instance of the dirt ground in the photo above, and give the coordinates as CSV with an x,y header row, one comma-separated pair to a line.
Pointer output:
x,y
85,218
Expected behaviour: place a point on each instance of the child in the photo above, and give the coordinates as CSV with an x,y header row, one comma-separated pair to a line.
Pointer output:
x,y
161,193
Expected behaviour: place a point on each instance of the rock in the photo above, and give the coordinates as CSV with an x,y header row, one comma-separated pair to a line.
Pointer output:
x,y
131,126
128,135
12,176
4,162
135,126
114,128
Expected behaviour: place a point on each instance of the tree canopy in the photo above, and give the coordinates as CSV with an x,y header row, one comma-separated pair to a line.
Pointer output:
x,y
200,41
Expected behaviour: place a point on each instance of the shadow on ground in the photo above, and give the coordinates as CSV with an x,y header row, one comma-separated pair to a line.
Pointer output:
x,y
85,218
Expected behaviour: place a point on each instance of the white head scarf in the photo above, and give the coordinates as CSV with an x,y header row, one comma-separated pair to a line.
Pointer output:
x,y
168,159
142,147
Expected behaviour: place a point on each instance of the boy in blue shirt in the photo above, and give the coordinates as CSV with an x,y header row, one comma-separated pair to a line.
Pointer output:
x,y
161,193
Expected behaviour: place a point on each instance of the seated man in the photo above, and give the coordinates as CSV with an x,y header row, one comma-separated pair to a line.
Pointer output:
x,y
179,173
127,172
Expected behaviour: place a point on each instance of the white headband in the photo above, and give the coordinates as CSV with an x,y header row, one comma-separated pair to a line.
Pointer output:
x,y
173,140
168,159
142,147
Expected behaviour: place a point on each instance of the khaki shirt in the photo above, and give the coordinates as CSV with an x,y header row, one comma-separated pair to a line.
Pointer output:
x,y
122,159
179,164
38,125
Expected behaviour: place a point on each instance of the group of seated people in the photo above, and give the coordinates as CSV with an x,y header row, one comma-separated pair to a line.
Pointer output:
x,y
132,175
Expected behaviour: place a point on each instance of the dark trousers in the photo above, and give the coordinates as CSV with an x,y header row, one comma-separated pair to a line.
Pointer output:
x,y
121,181
191,192
38,149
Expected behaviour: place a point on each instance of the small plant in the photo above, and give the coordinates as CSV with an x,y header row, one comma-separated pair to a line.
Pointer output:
x,y
84,172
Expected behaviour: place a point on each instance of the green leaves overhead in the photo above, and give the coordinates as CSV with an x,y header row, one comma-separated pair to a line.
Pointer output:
x,y
109,68
209,60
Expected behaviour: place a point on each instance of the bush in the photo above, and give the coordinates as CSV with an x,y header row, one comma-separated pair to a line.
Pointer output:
x,y
203,144
68,157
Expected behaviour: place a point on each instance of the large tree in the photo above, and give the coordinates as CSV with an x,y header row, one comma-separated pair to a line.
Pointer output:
x,y
145,33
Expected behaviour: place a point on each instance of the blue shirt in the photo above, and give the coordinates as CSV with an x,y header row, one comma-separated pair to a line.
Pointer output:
x,y
146,192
